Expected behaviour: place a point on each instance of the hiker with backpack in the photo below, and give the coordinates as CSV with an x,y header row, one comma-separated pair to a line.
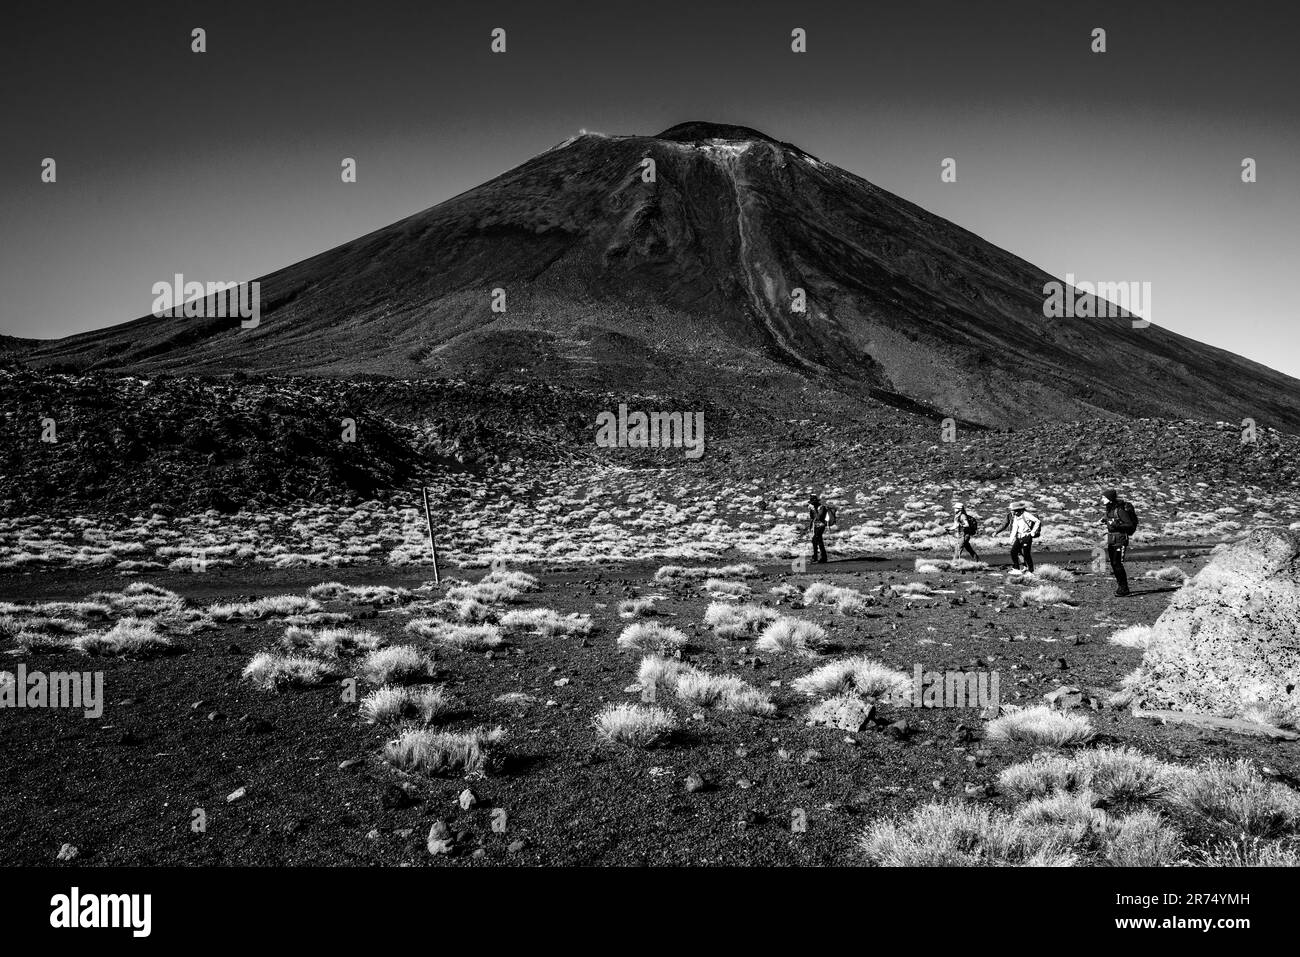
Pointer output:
x,y
1121,521
819,516
1025,527
965,525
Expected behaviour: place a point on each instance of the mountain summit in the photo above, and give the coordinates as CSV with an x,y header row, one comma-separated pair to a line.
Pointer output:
x,y
586,264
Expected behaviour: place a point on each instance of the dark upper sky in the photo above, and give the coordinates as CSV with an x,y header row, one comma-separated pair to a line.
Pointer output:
x,y
1115,167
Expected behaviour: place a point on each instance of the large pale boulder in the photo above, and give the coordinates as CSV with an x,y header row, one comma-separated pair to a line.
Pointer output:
x,y
1229,642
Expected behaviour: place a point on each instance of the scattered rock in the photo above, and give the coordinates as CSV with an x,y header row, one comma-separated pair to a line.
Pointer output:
x,y
1064,698
236,795
68,852
517,846
844,713
467,799
695,782
439,838
349,764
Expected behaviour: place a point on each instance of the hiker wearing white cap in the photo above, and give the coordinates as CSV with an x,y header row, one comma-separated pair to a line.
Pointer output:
x,y
1025,527
964,525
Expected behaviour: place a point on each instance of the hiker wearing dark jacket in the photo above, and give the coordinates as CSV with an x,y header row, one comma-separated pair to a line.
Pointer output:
x,y
818,517
1121,522
963,525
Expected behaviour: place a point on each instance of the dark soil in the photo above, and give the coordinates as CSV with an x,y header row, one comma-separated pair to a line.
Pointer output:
x,y
182,732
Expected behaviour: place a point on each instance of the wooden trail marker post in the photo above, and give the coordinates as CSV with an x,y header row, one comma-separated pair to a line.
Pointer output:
x,y
433,545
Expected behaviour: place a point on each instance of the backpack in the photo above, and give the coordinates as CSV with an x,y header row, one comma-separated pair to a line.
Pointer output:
x,y
1038,528
972,524
830,515
1130,517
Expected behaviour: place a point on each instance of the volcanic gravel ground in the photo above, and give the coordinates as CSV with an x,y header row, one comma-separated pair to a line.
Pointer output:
x,y
183,732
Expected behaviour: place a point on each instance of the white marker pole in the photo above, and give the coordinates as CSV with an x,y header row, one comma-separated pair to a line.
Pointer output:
x,y
428,520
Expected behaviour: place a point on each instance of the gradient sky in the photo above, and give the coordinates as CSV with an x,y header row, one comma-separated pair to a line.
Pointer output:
x,y
223,166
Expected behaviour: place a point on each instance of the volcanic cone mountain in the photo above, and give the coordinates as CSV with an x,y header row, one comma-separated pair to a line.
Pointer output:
x,y
689,281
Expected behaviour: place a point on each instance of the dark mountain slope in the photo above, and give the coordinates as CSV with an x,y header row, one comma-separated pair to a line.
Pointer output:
x,y
611,281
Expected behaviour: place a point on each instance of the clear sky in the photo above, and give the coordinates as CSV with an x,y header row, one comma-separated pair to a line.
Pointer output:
x,y
1123,166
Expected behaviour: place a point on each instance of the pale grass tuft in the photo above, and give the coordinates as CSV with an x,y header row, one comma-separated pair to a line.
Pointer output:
x,y
129,638
1045,595
399,702
737,621
791,636
1134,636
634,725
866,676
1119,776
726,692
847,601
1235,796
962,835
547,622
398,663
275,606
652,637
1040,725
272,672
1053,573
441,752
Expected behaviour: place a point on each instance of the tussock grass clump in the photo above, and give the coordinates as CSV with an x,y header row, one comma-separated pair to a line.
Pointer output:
x,y
719,588
1075,813
1040,725
465,637
470,637
330,642
791,636
1170,573
398,663
1053,573
1142,839
634,725
1235,796
1063,830
272,672
442,752
737,621
495,588
962,835
318,618
1119,776
912,588
637,607
726,692
400,703
129,638
275,606
359,594
670,573
847,601
860,674
1046,595
81,610
143,600
1247,851
652,637
38,642
662,672
547,622
1134,636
